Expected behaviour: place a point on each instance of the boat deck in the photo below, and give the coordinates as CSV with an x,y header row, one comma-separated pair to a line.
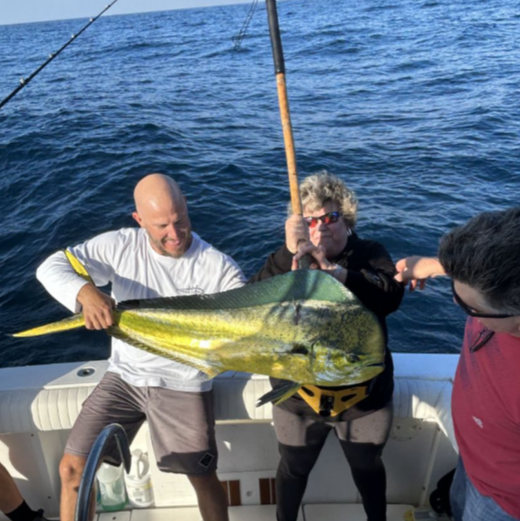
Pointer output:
x,y
324,512
38,406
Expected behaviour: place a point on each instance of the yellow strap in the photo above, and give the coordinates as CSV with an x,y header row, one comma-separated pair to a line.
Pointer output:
x,y
336,401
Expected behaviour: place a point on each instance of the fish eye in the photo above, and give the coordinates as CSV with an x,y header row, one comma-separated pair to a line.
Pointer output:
x,y
299,350
352,358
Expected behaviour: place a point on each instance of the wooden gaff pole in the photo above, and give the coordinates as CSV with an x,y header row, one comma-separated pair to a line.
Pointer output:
x,y
280,72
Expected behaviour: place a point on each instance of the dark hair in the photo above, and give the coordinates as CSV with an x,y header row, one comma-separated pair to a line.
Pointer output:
x,y
484,254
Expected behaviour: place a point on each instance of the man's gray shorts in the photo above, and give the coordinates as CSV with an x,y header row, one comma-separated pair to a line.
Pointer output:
x,y
181,424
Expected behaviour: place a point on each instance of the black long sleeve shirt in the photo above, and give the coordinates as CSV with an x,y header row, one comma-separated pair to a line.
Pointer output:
x,y
370,276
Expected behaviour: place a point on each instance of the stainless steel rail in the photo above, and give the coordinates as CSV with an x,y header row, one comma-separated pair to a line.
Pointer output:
x,y
95,457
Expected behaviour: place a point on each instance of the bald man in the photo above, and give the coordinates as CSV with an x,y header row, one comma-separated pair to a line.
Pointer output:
x,y
161,258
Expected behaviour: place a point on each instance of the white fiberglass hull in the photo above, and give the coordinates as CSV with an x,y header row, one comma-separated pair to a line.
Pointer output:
x,y
39,404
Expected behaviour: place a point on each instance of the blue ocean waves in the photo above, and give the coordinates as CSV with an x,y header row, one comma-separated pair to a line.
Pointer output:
x,y
414,104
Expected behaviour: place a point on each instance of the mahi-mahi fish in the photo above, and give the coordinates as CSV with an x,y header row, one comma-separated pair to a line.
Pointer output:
x,y
304,327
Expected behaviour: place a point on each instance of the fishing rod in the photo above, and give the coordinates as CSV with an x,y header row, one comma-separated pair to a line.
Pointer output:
x,y
280,75
25,81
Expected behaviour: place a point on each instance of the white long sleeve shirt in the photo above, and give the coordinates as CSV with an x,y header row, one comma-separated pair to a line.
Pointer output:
x,y
126,259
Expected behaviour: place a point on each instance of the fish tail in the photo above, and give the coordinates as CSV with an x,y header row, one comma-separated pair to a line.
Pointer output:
x,y
55,327
68,323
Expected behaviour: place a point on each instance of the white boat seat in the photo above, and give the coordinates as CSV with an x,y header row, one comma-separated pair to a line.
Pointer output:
x,y
53,399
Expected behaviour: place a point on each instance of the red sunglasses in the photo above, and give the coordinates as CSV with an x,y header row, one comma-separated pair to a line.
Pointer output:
x,y
327,218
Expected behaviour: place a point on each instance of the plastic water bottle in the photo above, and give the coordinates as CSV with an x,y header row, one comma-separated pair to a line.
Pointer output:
x,y
139,481
111,487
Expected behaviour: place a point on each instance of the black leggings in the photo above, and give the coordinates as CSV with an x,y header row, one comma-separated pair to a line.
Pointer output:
x,y
301,439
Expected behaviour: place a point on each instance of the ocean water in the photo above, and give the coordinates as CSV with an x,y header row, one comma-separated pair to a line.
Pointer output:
x,y
414,103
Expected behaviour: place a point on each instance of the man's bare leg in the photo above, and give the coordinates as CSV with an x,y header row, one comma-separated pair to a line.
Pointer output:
x,y
10,497
71,470
211,497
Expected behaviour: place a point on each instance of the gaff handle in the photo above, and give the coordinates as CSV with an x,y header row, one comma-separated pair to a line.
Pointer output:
x,y
276,42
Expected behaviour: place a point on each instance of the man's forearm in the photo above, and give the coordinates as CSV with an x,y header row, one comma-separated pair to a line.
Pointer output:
x,y
61,281
440,271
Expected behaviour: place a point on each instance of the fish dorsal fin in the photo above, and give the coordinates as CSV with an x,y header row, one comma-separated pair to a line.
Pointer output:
x,y
292,286
210,371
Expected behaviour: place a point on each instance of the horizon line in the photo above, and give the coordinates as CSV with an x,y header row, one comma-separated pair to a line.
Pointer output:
x,y
112,15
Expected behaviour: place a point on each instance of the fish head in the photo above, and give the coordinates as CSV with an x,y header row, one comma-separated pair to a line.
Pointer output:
x,y
332,366
330,343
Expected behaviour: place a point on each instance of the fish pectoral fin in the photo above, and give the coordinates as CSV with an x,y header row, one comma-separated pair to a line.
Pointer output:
x,y
207,369
281,392
77,266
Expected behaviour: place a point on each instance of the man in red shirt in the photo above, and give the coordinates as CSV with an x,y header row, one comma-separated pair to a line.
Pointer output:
x,y
482,260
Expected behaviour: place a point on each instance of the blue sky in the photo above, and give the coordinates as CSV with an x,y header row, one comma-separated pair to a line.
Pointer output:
x,y
22,11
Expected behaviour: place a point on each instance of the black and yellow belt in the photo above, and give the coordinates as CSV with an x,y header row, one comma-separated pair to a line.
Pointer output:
x,y
330,403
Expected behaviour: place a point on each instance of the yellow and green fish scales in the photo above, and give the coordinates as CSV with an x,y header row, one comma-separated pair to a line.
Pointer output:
x,y
303,326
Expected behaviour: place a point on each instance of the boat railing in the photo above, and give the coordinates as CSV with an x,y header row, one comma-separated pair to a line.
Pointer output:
x,y
110,432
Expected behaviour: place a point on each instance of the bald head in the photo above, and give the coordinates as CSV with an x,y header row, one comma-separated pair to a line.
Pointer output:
x,y
157,191
161,210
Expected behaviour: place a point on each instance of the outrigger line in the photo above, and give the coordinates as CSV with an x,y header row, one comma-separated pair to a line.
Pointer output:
x,y
237,40
25,81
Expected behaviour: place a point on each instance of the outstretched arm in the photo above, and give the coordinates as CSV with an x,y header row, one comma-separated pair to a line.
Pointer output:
x,y
416,270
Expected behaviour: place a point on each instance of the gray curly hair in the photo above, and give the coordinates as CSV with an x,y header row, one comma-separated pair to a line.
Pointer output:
x,y
484,254
323,187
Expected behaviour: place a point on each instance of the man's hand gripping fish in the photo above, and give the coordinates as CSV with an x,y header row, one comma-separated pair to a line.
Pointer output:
x,y
304,327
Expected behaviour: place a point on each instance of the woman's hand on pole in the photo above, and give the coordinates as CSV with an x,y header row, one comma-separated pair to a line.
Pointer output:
x,y
319,262
297,231
318,254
